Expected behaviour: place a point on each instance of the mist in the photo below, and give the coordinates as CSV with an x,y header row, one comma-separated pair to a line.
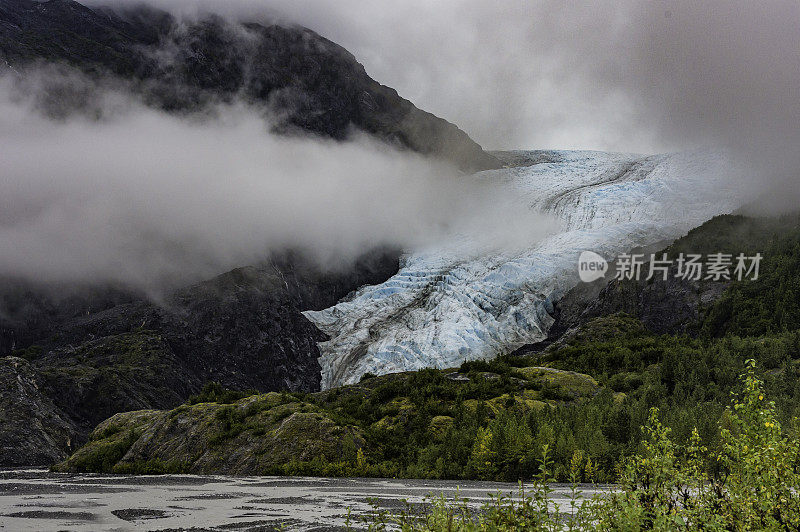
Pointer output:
x,y
139,196
116,192
627,76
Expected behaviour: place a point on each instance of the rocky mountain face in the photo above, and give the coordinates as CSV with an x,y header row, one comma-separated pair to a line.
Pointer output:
x,y
91,356
303,81
32,429
671,306
675,305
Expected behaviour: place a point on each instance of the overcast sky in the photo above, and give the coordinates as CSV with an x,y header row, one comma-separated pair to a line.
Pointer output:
x,y
621,75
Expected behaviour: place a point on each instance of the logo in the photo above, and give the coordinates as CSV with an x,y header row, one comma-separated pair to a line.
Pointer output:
x,y
691,267
591,266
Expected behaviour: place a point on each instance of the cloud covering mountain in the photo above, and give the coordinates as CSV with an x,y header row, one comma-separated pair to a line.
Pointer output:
x,y
141,197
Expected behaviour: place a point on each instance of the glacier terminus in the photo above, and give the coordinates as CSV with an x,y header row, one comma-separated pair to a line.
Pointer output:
x,y
444,307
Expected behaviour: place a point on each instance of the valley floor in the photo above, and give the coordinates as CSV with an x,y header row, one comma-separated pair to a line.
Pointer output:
x,y
34,499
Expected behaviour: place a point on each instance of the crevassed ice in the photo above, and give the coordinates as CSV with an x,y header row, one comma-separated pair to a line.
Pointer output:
x,y
442,308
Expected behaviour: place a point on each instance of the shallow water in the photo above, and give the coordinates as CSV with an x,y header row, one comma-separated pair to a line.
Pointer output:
x,y
34,499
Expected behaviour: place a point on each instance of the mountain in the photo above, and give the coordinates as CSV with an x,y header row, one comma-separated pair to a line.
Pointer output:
x,y
97,352
306,82
83,353
705,307
581,399
673,305
32,429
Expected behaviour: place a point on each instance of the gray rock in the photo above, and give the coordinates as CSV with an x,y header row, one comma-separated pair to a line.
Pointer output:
x,y
34,431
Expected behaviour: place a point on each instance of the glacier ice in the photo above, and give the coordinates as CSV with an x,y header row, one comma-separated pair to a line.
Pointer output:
x,y
444,307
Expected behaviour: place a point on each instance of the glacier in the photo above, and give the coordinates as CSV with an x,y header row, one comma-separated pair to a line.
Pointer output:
x,y
450,304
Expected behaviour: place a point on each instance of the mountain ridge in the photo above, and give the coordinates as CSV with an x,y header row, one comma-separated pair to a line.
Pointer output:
x,y
315,85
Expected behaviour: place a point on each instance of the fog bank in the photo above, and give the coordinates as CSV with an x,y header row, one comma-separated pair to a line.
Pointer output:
x,y
122,193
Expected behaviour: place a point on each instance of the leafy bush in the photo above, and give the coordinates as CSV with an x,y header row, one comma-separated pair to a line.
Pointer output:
x,y
104,453
214,392
664,486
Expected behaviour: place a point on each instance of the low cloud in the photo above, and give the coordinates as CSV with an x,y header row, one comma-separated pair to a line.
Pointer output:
x,y
117,192
123,193
619,75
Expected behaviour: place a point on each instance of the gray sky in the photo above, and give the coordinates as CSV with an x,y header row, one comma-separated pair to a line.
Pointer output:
x,y
621,75
618,75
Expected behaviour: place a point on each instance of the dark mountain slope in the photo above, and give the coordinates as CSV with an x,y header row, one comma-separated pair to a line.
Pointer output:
x,y
95,351
32,429
702,308
104,352
496,419
309,82
242,328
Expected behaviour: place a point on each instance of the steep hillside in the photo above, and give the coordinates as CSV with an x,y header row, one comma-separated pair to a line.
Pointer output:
x,y
243,329
703,307
32,429
304,81
585,396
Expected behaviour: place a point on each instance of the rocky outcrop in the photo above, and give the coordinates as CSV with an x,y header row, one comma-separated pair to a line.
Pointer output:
x,y
256,435
302,80
334,432
129,371
671,306
575,384
34,431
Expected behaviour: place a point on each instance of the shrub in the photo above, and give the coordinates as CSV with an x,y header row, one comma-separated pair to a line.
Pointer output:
x,y
214,392
664,486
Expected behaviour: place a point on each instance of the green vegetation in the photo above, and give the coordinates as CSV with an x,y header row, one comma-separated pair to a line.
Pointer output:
x,y
769,305
734,234
579,404
751,483
493,420
499,424
487,419
214,392
29,353
103,454
477,422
